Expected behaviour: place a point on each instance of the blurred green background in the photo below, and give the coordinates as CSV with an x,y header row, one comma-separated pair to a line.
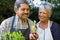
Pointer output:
x,y
6,10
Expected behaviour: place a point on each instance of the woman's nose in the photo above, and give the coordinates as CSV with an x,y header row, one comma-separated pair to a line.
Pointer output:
x,y
41,14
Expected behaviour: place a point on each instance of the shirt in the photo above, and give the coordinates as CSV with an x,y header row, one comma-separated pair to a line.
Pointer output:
x,y
6,24
44,34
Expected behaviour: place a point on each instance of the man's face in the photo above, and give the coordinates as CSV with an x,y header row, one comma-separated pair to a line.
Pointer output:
x,y
23,11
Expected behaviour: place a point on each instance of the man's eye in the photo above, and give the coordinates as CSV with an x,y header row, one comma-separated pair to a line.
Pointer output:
x,y
27,9
22,9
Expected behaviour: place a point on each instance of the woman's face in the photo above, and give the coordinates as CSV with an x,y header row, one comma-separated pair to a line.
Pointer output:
x,y
43,15
23,11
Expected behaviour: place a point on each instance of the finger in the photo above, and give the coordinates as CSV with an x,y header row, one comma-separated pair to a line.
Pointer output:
x,y
30,36
35,35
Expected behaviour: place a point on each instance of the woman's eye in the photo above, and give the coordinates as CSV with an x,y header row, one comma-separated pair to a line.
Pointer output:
x,y
44,13
40,12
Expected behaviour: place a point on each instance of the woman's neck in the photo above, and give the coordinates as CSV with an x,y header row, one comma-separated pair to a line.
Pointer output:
x,y
43,24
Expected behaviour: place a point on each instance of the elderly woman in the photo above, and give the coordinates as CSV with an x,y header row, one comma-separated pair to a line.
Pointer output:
x,y
46,29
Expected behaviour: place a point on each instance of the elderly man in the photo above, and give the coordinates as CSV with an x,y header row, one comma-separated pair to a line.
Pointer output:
x,y
19,22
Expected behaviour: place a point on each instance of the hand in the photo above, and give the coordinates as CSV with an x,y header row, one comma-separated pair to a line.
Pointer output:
x,y
33,36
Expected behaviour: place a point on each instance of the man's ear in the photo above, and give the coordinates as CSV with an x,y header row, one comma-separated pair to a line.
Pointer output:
x,y
15,10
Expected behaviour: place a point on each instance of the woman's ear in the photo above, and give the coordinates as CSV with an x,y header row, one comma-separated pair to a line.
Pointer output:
x,y
49,15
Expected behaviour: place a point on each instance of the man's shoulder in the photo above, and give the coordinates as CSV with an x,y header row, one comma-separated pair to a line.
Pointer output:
x,y
30,20
7,20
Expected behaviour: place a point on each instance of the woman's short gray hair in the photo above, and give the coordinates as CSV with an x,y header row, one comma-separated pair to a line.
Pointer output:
x,y
18,2
46,5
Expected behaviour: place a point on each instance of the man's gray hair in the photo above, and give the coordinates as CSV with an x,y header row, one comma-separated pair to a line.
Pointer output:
x,y
18,2
46,5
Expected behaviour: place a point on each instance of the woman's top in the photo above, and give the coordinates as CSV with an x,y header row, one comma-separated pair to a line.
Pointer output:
x,y
44,34
50,33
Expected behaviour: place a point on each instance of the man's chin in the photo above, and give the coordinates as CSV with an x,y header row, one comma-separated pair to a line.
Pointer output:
x,y
25,18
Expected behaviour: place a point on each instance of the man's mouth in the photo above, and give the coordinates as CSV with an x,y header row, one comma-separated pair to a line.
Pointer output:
x,y
25,14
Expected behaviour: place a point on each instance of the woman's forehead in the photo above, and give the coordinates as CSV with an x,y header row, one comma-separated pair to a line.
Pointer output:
x,y
43,9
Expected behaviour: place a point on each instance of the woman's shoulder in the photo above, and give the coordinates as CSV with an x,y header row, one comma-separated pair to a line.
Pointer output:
x,y
55,25
55,30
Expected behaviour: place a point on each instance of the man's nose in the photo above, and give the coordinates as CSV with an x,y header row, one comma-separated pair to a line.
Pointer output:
x,y
26,11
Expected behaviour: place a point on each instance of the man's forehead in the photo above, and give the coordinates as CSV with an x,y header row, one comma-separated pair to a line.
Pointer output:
x,y
24,5
18,2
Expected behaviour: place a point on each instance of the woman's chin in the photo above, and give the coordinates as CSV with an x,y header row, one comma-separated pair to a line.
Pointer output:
x,y
42,20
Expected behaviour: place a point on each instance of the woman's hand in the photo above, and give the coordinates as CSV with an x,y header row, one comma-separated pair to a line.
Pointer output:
x,y
33,36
